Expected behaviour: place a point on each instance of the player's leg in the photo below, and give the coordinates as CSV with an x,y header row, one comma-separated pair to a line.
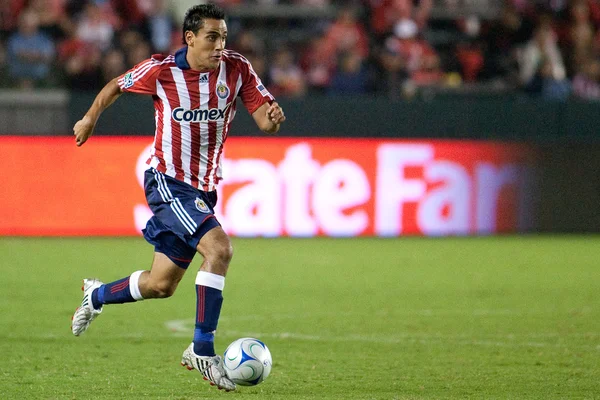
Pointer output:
x,y
171,258
162,280
158,283
217,251
188,213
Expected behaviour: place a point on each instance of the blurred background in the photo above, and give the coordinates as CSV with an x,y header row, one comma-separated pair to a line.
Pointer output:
x,y
392,48
502,71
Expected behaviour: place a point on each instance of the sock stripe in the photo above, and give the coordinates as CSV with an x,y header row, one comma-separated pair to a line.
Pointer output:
x,y
124,283
116,292
200,292
120,286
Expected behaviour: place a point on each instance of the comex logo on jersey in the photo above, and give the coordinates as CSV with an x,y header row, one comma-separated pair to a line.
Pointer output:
x,y
180,114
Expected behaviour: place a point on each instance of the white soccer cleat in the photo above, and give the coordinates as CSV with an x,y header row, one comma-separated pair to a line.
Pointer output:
x,y
85,313
211,367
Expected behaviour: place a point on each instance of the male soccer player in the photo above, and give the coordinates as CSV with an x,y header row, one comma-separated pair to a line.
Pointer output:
x,y
194,94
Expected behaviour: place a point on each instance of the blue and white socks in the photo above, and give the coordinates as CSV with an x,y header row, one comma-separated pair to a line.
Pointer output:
x,y
209,298
124,290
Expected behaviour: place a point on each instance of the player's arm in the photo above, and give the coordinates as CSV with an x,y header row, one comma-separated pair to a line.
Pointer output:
x,y
269,117
84,128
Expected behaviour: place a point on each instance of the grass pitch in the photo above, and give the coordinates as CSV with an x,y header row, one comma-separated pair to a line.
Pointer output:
x,y
410,318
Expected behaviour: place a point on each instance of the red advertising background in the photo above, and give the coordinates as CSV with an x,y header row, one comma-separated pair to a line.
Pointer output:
x,y
277,186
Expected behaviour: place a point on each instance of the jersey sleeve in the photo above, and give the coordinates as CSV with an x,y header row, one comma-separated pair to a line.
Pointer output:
x,y
253,93
141,78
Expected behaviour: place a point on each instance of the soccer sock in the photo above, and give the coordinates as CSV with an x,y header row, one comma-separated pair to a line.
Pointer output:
x,y
209,298
124,290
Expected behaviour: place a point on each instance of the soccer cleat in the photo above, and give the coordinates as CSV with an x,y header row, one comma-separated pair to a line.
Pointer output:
x,y
211,367
85,313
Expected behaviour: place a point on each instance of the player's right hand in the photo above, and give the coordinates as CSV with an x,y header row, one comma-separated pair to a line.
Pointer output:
x,y
82,130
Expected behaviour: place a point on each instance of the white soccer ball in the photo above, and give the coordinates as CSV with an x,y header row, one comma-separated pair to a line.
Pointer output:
x,y
247,361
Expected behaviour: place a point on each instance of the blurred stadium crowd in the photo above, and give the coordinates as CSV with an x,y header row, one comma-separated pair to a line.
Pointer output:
x,y
548,48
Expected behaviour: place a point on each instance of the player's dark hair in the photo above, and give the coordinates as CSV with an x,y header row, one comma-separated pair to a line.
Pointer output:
x,y
195,16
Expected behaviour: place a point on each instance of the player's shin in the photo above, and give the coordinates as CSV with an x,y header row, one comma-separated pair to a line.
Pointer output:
x,y
124,290
209,298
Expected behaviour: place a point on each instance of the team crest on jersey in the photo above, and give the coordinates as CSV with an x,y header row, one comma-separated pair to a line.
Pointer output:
x,y
201,205
222,90
128,80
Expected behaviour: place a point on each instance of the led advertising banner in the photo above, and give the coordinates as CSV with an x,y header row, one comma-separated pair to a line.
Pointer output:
x,y
278,187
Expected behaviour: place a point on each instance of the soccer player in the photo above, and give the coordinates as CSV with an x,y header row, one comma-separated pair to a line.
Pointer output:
x,y
194,94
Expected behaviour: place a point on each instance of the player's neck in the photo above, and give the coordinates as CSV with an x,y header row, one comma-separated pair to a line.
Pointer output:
x,y
196,66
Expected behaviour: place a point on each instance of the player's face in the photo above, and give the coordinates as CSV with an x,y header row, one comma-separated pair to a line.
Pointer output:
x,y
205,49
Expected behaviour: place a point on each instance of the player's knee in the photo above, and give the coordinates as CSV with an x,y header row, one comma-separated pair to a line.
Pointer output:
x,y
224,252
217,250
221,252
162,289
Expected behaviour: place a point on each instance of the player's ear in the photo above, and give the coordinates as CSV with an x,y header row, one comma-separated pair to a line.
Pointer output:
x,y
189,38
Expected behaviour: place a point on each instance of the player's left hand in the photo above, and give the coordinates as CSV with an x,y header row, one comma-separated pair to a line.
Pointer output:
x,y
275,113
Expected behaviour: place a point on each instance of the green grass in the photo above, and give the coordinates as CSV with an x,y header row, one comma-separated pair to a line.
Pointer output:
x,y
410,318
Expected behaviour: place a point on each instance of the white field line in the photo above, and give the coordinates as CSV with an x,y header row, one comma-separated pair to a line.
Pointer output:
x,y
422,312
185,328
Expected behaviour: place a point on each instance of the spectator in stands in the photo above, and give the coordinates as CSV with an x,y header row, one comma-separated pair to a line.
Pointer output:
x,y
385,14
139,52
501,41
158,26
247,42
586,84
128,38
113,65
313,3
594,9
2,55
30,52
82,67
95,27
318,64
3,74
351,76
580,35
347,34
470,58
53,19
286,77
259,63
9,15
542,70
406,54
523,7
179,7
130,12
468,52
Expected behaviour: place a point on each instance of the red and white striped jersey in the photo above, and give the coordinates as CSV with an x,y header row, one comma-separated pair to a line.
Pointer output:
x,y
193,111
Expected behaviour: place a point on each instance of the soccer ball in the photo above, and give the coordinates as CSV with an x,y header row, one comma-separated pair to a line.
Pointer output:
x,y
247,361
